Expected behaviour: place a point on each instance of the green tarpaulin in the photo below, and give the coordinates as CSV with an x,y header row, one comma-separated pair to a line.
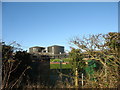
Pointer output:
x,y
90,68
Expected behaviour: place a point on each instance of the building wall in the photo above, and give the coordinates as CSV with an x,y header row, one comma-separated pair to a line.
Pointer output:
x,y
49,49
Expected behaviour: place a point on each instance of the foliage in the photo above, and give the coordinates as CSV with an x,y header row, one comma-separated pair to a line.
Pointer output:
x,y
76,59
12,67
77,63
58,60
55,60
57,66
66,59
7,51
113,40
24,57
103,48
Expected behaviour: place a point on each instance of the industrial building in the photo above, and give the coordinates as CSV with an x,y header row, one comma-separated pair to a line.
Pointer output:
x,y
55,49
37,49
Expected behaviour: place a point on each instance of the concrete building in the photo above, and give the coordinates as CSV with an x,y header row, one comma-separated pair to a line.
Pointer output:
x,y
36,49
55,49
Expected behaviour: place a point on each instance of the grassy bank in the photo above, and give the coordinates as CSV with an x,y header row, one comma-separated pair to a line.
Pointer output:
x,y
57,66
58,60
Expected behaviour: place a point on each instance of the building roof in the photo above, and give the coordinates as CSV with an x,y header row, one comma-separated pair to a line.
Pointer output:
x,y
55,46
37,47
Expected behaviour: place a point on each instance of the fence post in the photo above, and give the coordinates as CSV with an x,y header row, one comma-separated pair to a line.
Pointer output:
x,y
76,78
61,65
82,80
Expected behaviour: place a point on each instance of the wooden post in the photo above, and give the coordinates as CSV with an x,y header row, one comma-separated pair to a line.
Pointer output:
x,y
82,80
76,78
61,66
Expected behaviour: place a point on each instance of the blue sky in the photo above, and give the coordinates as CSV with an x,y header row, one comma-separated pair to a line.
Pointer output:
x,y
45,24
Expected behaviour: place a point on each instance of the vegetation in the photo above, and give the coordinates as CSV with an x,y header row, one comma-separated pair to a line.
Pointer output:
x,y
101,48
57,66
13,66
58,60
105,49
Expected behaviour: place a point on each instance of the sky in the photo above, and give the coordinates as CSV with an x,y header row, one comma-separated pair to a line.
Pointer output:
x,y
49,23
